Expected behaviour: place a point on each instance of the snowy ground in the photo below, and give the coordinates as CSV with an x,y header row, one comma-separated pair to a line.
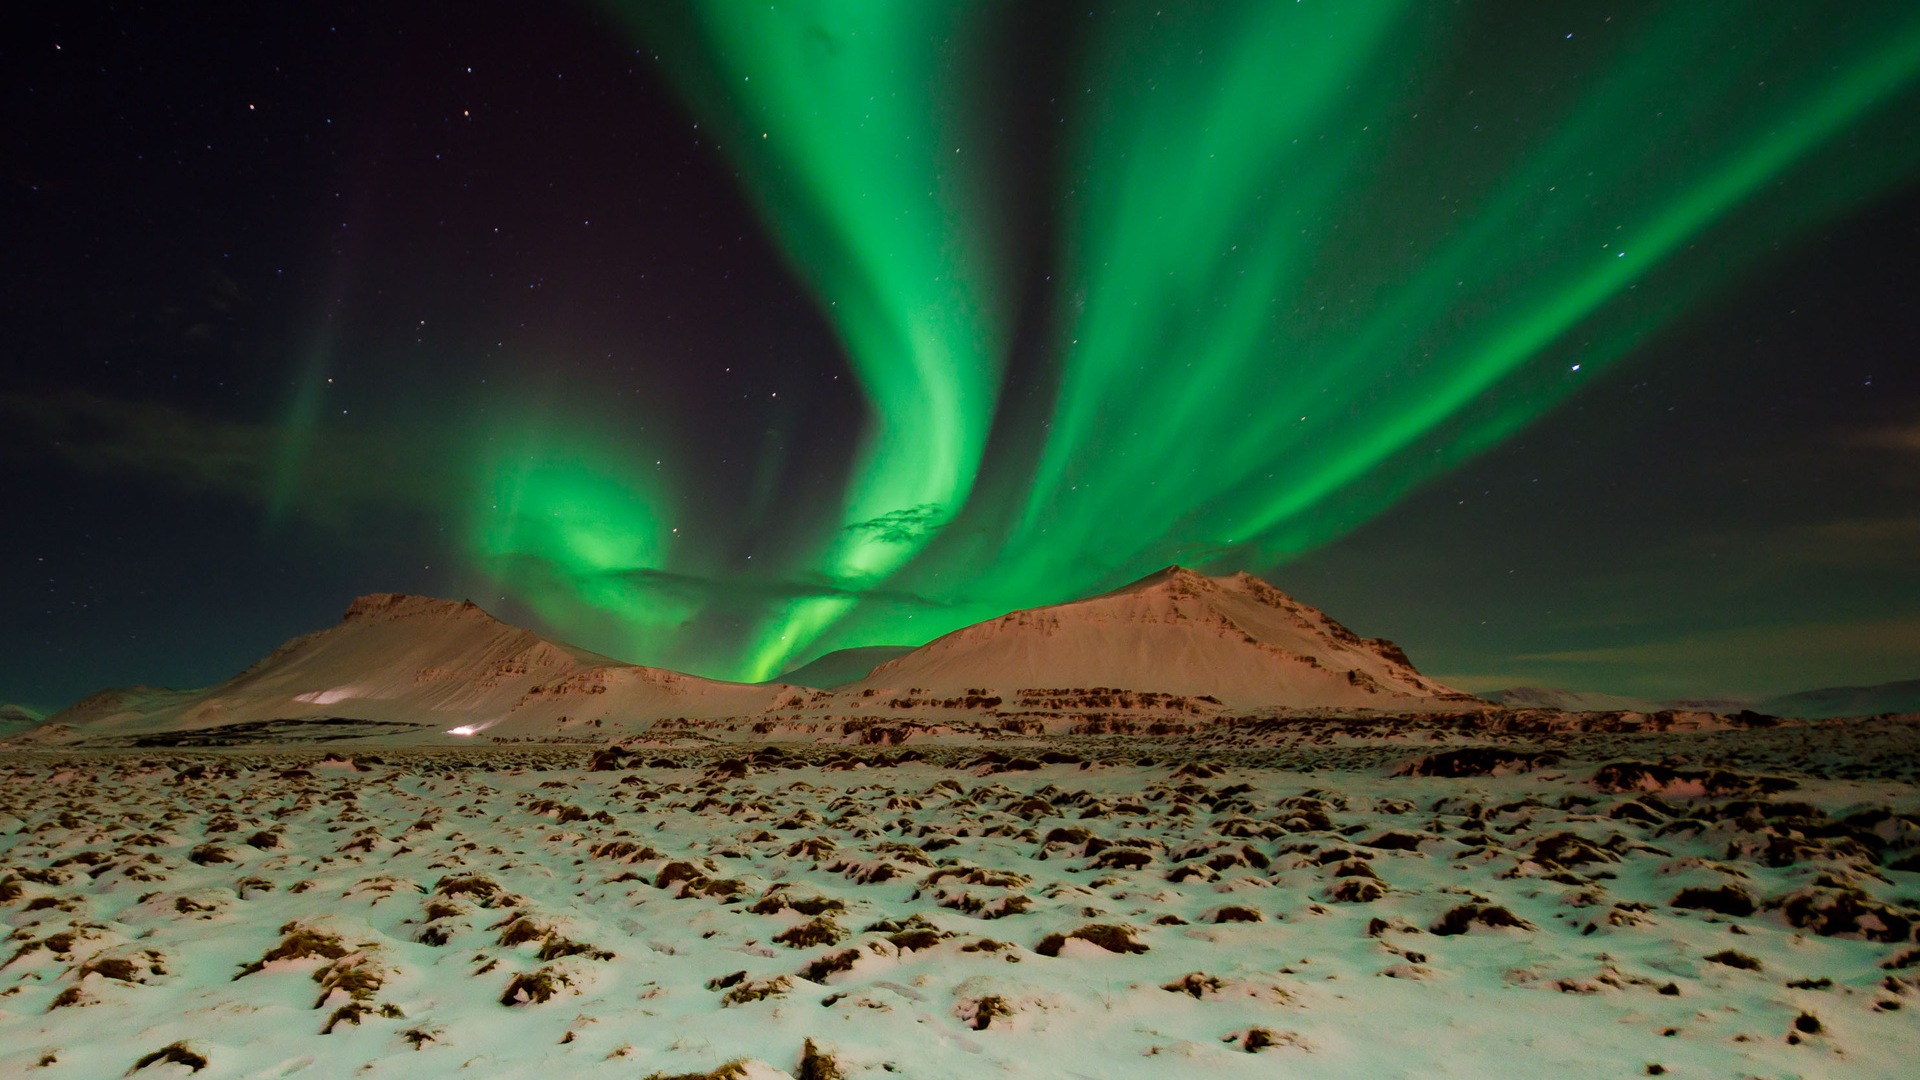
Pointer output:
x,y
513,913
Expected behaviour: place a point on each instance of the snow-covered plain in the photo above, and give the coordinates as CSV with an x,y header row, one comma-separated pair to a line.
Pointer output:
x,y
1298,908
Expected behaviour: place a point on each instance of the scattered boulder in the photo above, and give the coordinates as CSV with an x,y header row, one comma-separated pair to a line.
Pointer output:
x,y
1462,918
1724,899
1831,912
179,1053
1478,761
1114,939
1620,777
1734,959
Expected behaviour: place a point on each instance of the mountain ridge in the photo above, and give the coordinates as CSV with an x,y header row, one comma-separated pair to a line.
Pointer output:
x,y
840,667
1174,642
1234,638
1820,703
414,662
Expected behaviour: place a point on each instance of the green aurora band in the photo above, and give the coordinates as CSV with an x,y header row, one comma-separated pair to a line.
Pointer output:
x,y
1310,256
1263,207
568,522
836,111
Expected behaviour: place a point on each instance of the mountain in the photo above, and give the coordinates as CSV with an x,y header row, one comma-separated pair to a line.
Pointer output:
x,y
413,664
842,666
1826,703
17,718
1893,697
416,669
1546,697
1237,640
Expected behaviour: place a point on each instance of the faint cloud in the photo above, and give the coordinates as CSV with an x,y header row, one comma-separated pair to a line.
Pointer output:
x,y
756,591
103,435
1851,541
1788,641
1481,682
1904,439
1745,659
684,593
915,523
199,454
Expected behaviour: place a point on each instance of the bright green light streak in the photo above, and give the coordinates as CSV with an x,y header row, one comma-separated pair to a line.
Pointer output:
x,y
1181,428
1288,298
1684,217
1202,149
840,114
296,434
570,523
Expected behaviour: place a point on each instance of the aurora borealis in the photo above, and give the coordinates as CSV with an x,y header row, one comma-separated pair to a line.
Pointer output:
x,y
859,188
718,336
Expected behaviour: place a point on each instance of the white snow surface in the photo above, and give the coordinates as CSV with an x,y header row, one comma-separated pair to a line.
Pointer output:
x,y
237,903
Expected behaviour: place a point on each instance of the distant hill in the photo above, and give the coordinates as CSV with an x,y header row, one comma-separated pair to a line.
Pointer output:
x,y
1893,697
17,718
1826,703
843,666
1547,697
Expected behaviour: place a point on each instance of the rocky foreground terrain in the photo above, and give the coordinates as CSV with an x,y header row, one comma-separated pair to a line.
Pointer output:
x,y
1568,903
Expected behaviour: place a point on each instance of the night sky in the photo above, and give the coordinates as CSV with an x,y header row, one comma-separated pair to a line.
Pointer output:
x,y
1569,345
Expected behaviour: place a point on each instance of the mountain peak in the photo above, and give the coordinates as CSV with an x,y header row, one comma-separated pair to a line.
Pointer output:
x,y
1233,639
406,665
1174,575
387,607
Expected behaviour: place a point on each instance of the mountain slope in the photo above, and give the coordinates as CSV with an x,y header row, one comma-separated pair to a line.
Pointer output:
x,y
842,666
422,662
1544,697
17,718
1236,639
1893,697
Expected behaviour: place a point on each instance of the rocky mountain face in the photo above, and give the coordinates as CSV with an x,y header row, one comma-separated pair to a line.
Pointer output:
x,y
1235,642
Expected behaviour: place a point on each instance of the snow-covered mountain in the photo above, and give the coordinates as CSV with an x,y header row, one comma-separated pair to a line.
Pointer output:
x,y
1236,639
1175,643
438,665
